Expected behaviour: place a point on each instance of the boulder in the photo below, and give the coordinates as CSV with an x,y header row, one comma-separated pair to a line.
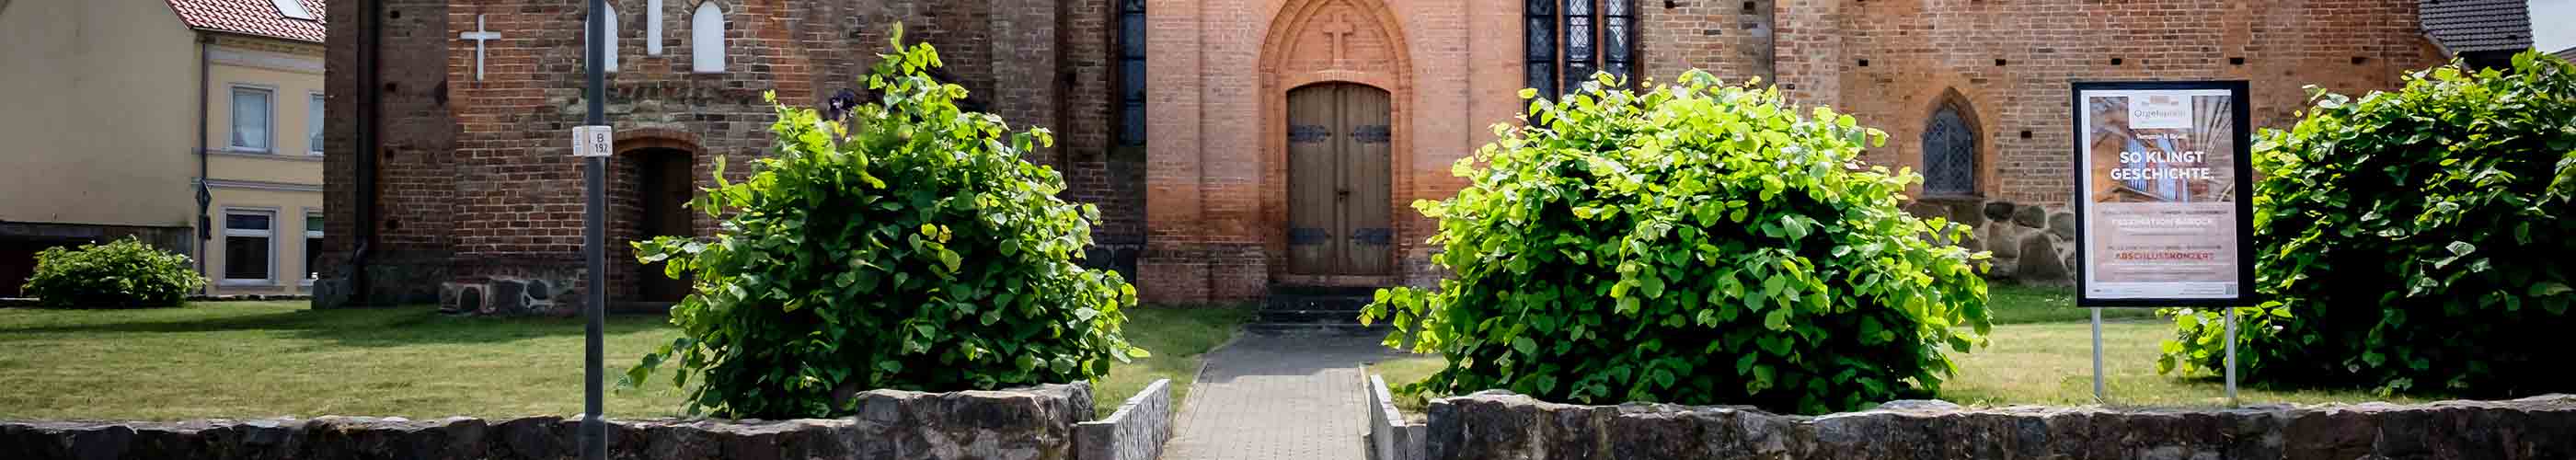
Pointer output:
x,y
2001,237
2030,216
2039,263
509,297
2062,224
1999,211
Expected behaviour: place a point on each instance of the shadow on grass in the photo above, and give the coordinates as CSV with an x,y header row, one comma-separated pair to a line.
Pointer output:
x,y
368,327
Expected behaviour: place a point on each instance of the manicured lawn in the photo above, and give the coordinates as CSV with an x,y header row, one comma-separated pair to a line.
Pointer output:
x,y
270,359
1179,337
2041,353
2024,304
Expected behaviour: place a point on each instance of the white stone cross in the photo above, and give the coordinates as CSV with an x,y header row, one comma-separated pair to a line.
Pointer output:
x,y
479,35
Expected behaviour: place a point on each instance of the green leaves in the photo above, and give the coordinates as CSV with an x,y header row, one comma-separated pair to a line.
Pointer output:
x,y
1624,246
121,273
910,248
2412,236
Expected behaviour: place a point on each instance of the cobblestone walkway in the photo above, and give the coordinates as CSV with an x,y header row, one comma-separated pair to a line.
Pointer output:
x,y
1286,397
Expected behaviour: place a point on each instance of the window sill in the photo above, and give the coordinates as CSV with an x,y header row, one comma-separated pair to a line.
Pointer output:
x,y
264,155
247,283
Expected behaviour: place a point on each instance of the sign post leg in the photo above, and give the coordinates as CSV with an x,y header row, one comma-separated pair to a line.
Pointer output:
x,y
2097,357
2231,357
594,431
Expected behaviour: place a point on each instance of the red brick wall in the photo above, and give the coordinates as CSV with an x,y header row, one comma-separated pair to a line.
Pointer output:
x,y
1730,39
477,174
415,187
1917,50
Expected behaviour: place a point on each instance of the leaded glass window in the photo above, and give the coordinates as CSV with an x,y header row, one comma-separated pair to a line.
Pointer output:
x,y
1131,72
1949,154
1568,40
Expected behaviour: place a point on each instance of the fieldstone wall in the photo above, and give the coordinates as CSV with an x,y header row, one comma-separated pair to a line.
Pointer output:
x,y
1502,425
1031,423
1505,425
1135,431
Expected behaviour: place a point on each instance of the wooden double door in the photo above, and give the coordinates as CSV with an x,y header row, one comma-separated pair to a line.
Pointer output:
x,y
1339,139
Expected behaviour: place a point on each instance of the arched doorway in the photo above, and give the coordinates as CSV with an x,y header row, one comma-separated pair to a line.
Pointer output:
x,y
662,190
1338,180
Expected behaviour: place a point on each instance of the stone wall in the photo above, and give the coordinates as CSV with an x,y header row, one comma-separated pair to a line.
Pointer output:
x,y
1390,435
2032,244
1031,423
1135,431
1503,425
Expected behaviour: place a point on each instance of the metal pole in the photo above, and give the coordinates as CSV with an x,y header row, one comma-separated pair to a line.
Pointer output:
x,y
2097,357
2231,357
594,439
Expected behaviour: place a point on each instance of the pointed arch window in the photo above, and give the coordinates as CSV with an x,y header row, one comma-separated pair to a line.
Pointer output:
x,y
1568,40
609,50
1131,72
1949,154
706,39
652,27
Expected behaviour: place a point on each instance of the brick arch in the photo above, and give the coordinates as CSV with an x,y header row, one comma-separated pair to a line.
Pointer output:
x,y
633,139
1288,60
1981,151
1905,129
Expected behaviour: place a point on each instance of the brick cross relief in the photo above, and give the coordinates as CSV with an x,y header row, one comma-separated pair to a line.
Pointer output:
x,y
1340,31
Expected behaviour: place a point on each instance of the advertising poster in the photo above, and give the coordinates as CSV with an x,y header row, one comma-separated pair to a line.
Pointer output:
x,y
2163,201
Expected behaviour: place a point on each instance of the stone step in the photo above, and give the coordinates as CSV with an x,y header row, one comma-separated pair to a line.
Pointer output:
x,y
1281,315
1353,328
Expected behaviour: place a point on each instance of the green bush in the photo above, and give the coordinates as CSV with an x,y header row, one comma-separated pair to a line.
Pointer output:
x,y
1697,244
2413,241
122,273
913,249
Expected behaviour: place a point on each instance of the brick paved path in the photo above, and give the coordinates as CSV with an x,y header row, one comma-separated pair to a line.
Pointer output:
x,y
1286,397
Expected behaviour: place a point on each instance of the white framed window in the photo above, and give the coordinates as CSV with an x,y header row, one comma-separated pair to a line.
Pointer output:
x,y
250,246
313,125
706,39
252,118
312,245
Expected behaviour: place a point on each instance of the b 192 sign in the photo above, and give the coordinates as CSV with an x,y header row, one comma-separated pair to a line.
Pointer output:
x,y
2164,193
592,141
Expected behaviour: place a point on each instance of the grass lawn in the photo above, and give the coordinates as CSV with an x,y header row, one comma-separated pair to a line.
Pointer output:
x,y
270,359
2041,353
1179,337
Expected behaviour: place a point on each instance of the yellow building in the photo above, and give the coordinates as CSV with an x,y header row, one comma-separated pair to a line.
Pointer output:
x,y
194,124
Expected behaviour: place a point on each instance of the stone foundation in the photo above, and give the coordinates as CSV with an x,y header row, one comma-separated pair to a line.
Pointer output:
x,y
2032,244
1502,425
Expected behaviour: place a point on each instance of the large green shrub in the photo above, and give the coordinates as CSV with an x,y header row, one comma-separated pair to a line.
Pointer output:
x,y
913,249
121,273
2415,240
1696,243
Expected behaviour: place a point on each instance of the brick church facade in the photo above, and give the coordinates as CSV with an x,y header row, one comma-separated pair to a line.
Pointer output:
x,y
1232,145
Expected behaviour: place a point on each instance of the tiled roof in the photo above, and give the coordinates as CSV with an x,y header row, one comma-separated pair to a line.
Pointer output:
x,y
2478,25
254,17
2568,54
